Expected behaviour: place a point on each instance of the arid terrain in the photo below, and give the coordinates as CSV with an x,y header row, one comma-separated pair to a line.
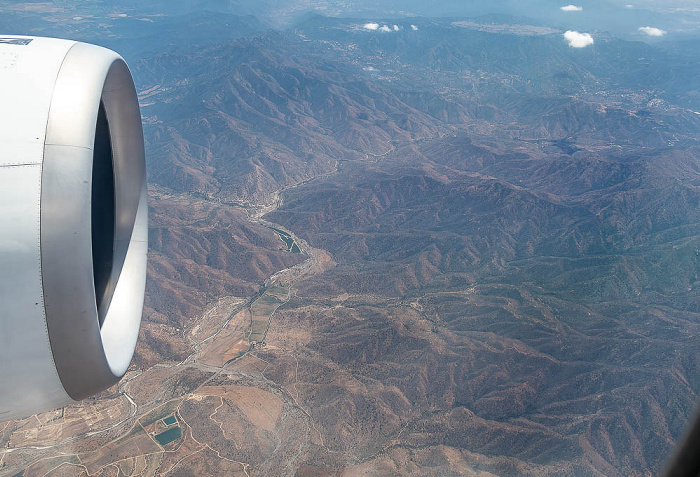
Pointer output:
x,y
459,247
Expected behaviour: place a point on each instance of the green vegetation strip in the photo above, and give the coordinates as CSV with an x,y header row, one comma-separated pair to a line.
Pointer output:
x,y
287,239
280,232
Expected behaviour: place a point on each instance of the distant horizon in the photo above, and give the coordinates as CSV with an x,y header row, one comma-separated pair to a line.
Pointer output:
x,y
678,19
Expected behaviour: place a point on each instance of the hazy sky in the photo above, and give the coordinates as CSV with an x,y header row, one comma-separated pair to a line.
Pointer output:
x,y
647,20
675,18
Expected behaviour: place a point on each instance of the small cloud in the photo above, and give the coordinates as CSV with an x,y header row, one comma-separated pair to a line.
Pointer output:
x,y
414,28
651,31
396,28
572,8
629,5
385,28
578,40
370,26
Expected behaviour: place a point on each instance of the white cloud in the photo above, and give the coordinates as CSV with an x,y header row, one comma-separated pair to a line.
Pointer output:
x,y
414,28
578,40
572,8
372,26
629,5
651,31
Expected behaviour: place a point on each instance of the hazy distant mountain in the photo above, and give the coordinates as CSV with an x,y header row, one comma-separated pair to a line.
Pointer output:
x,y
251,116
265,117
134,33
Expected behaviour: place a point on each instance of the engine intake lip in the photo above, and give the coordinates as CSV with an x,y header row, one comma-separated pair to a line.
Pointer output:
x,y
93,333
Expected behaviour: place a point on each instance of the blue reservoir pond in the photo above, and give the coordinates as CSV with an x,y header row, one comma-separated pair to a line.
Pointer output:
x,y
166,437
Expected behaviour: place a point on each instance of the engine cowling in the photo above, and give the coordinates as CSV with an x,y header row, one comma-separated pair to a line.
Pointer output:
x,y
73,222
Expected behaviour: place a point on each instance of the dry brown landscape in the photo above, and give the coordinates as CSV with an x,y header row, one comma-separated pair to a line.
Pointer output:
x,y
460,249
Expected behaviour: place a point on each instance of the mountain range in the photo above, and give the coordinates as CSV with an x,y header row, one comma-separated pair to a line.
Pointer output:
x,y
499,255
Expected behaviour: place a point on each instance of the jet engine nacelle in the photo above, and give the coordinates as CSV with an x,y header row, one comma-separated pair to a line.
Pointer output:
x,y
73,222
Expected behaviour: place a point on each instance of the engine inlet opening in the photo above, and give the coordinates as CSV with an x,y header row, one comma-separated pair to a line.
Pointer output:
x,y
103,211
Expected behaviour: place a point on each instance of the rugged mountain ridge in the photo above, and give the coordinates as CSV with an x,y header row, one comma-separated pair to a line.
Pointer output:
x,y
312,118
498,277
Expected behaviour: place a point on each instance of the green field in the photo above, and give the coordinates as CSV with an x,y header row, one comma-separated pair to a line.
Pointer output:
x,y
257,330
159,413
278,291
264,306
